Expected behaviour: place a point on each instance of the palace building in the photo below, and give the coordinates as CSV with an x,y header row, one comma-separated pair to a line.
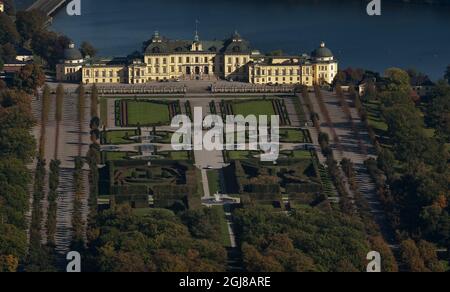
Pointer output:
x,y
231,59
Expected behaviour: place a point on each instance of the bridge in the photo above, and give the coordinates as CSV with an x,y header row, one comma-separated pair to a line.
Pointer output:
x,y
49,7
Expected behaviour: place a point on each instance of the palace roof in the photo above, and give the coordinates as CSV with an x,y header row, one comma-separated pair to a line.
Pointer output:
x,y
161,45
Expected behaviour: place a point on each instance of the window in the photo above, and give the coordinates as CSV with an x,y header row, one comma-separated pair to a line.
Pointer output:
x,y
206,59
164,61
172,60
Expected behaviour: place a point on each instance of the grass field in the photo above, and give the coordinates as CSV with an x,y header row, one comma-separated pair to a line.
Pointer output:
x,y
120,137
213,181
147,113
374,116
224,234
293,136
257,107
302,154
110,156
179,155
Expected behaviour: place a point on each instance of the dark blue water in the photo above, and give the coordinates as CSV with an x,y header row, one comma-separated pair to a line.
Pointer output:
x,y
406,35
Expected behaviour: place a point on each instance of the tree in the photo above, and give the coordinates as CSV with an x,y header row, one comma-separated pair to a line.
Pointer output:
x,y
447,74
294,242
59,102
8,52
438,111
81,103
158,242
45,104
13,247
389,263
29,23
398,77
49,46
16,121
411,258
429,256
8,31
30,77
88,49
94,101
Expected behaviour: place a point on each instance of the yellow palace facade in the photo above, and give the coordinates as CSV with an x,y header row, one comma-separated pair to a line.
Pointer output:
x,y
232,59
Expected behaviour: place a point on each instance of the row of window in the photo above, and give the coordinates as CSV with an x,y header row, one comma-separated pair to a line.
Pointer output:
x,y
195,60
279,80
103,73
325,68
104,80
181,60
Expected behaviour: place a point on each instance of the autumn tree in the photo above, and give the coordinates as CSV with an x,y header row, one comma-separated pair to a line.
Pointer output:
x,y
87,49
8,31
81,103
94,101
30,77
59,102
29,23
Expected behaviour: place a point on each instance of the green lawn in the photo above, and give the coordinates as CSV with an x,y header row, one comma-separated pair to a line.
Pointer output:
x,y
374,116
119,137
224,233
179,155
292,136
257,107
110,156
104,111
147,113
213,181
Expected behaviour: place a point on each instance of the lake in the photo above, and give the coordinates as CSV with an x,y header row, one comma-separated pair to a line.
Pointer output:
x,y
406,35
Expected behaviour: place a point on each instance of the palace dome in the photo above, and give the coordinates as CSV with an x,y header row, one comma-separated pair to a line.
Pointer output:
x,y
72,53
322,52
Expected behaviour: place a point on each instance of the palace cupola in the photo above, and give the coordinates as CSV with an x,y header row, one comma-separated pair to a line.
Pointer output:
x,y
156,38
322,53
196,44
